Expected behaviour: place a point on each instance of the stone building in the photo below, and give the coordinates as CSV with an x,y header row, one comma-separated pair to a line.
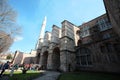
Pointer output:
x,y
99,45
21,57
92,46
113,12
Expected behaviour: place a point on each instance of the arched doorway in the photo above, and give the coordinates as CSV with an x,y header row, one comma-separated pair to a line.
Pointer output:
x,y
83,57
44,61
38,58
56,58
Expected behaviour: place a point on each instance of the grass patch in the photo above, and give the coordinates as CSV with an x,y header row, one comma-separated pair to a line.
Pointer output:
x,y
88,76
28,76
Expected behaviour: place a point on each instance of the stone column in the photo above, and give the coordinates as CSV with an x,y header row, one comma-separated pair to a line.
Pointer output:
x,y
67,54
49,64
67,44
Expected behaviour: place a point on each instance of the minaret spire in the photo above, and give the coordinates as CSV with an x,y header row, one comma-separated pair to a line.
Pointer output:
x,y
42,32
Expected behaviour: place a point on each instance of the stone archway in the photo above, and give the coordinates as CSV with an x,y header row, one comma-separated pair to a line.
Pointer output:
x,y
44,60
38,58
56,58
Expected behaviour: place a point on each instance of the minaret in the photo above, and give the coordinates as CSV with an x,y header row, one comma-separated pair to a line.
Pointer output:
x,y
42,32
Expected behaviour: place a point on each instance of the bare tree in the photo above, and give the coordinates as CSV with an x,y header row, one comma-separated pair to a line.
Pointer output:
x,y
8,26
5,41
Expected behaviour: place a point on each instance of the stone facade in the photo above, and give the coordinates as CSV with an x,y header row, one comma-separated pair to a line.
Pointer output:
x,y
113,12
56,52
92,46
98,48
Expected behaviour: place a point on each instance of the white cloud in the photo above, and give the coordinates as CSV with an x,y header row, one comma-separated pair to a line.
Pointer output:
x,y
18,38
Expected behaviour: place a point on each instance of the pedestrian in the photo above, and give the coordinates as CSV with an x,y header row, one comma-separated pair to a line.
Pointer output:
x,y
13,68
16,66
5,66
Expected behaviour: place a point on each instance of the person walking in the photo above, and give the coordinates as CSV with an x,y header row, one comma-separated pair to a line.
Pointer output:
x,y
5,66
13,68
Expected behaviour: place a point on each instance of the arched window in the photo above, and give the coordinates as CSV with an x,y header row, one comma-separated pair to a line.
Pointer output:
x,y
79,42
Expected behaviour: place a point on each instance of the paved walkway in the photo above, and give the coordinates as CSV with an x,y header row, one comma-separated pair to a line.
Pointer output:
x,y
49,75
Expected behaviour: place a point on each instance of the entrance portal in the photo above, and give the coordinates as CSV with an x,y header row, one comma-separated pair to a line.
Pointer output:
x,y
38,58
56,58
44,61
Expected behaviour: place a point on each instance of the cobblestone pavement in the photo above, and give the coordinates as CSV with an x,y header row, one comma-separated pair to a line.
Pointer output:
x,y
49,75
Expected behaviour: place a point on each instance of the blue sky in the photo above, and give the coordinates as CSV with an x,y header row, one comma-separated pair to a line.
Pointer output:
x,y
31,14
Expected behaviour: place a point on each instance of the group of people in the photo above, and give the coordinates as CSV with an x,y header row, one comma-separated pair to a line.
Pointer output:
x,y
12,67
7,65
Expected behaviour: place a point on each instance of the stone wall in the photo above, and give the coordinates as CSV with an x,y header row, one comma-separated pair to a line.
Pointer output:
x,y
104,55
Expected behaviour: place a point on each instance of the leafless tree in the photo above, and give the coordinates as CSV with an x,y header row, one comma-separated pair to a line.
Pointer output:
x,y
5,41
8,26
